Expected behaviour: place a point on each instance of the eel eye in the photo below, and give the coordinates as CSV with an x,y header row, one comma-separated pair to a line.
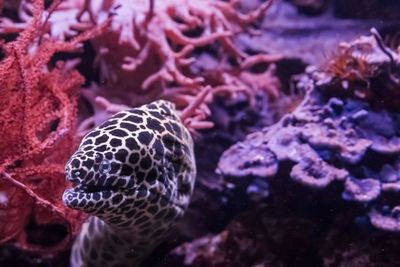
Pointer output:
x,y
98,157
104,166
76,174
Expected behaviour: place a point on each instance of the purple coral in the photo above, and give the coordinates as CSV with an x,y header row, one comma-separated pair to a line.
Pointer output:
x,y
346,129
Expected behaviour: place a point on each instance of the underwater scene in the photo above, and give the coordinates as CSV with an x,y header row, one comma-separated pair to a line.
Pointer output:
x,y
166,133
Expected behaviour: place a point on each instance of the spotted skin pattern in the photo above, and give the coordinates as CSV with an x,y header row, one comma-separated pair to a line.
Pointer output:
x,y
134,174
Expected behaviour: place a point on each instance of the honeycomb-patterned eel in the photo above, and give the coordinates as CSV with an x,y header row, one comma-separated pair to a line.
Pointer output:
x,y
134,174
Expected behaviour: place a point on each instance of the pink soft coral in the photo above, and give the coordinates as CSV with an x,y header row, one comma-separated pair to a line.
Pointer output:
x,y
149,51
37,124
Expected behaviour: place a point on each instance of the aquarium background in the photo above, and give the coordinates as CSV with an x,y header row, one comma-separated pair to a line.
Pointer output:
x,y
293,107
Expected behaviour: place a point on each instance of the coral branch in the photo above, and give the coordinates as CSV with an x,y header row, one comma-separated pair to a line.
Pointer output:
x,y
109,107
38,200
37,122
154,50
193,106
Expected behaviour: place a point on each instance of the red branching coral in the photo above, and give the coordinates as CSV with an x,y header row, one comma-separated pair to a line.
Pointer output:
x,y
150,51
37,124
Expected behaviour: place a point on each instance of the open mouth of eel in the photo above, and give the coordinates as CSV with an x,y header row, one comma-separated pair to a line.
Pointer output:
x,y
82,188
79,187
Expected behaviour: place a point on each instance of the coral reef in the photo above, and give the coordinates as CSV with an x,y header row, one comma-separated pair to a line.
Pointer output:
x,y
288,224
153,48
272,234
235,245
172,50
316,189
345,130
37,124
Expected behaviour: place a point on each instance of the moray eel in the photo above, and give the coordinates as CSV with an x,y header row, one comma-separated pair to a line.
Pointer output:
x,y
134,174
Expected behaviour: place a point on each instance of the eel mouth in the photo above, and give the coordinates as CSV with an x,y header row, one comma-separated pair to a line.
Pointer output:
x,y
80,187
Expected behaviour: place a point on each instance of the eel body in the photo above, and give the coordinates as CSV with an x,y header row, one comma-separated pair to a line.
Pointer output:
x,y
134,174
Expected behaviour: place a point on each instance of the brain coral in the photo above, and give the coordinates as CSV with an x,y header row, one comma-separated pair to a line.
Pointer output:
x,y
347,129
